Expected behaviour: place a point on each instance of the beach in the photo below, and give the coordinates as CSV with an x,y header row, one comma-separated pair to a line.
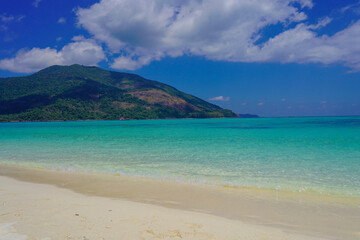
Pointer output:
x,y
276,178
169,120
46,204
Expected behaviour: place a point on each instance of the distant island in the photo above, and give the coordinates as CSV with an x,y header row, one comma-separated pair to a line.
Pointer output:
x,y
248,115
84,93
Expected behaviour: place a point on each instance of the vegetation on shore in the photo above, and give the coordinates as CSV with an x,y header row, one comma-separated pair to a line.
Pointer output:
x,y
83,93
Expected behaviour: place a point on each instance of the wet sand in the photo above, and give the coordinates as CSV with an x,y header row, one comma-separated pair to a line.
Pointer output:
x,y
69,205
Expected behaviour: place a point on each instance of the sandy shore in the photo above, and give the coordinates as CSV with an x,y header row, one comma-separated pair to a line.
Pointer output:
x,y
89,206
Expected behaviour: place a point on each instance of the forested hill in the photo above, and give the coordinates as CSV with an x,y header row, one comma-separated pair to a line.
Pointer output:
x,y
78,93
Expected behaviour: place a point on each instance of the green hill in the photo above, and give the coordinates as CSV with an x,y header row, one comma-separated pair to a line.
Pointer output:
x,y
78,92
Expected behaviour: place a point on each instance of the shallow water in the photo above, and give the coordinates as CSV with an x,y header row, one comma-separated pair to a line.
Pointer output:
x,y
320,155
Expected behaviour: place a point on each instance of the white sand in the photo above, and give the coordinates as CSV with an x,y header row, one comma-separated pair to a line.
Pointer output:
x,y
41,211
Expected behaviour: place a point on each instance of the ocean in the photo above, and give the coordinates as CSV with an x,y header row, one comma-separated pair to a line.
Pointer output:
x,y
318,155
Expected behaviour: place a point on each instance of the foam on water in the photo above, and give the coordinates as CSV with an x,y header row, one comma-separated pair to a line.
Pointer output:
x,y
319,155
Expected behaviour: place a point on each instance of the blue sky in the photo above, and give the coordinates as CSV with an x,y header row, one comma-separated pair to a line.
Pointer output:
x,y
267,57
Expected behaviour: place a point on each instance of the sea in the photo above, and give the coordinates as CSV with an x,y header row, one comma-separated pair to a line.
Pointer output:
x,y
319,155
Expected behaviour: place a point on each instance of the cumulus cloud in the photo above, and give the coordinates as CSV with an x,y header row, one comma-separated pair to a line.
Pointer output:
x,y
138,32
301,45
129,63
142,31
81,51
220,98
218,30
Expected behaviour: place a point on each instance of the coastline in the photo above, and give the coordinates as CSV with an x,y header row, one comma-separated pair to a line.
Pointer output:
x,y
91,120
319,216
94,120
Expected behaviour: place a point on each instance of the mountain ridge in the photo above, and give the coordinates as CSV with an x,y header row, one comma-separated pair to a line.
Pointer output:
x,y
79,92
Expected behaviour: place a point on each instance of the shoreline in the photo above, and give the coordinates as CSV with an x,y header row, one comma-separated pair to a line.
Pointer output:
x,y
297,213
332,197
92,120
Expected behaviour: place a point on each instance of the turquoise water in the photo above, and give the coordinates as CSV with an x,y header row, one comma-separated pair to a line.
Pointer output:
x,y
298,154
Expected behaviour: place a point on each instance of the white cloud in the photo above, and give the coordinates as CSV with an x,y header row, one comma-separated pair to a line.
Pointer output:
x,y
32,60
144,31
322,23
301,45
84,51
36,3
81,51
62,20
218,30
10,18
6,18
306,3
5,22
220,98
260,104
355,7
128,63
58,39
137,32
